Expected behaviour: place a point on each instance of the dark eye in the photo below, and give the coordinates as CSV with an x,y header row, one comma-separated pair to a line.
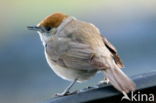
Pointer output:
x,y
48,28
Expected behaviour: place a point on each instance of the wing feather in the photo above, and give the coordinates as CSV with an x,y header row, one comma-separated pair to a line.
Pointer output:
x,y
113,50
70,54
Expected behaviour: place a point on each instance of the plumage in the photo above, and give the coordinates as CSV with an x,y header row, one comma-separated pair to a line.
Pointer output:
x,y
77,50
53,20
113,50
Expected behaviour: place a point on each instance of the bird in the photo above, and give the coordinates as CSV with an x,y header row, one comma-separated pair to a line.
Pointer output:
x,y
76,50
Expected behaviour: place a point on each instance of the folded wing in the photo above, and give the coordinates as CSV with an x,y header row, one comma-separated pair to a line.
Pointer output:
x,y
70,54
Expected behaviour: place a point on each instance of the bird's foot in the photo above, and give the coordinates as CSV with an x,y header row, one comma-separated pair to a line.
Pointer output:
x,y
65,93
62,94
103,82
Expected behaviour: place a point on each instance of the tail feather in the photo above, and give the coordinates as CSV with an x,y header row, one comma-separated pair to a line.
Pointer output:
x,y
119,80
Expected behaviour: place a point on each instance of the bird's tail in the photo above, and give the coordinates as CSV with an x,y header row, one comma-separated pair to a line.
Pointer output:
x,y
119,80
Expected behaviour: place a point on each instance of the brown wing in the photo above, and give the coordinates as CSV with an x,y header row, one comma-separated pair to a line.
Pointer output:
x,y
70,54
113,50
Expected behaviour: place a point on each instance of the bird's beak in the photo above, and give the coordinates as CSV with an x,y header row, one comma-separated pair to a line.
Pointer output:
x,y
35,28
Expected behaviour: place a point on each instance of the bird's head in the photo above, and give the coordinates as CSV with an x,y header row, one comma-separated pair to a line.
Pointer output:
x,y
51,22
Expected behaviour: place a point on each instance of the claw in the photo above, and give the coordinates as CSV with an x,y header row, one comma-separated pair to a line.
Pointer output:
x,y
65,94
62,94
103,82
66,91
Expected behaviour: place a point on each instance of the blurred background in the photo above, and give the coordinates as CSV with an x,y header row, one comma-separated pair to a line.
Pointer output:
x,y
25,76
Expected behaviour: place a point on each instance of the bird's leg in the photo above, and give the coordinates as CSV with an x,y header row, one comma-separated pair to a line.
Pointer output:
x,y
105,81
66,91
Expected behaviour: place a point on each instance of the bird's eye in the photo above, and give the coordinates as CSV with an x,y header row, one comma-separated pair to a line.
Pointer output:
x,y
48,28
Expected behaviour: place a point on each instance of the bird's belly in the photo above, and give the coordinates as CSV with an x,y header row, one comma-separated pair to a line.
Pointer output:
x,y
69,73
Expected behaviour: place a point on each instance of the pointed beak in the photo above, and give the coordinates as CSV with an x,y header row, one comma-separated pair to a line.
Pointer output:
x,y
35,28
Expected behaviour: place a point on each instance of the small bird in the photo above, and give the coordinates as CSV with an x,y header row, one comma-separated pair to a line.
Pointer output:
x,y
76,50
